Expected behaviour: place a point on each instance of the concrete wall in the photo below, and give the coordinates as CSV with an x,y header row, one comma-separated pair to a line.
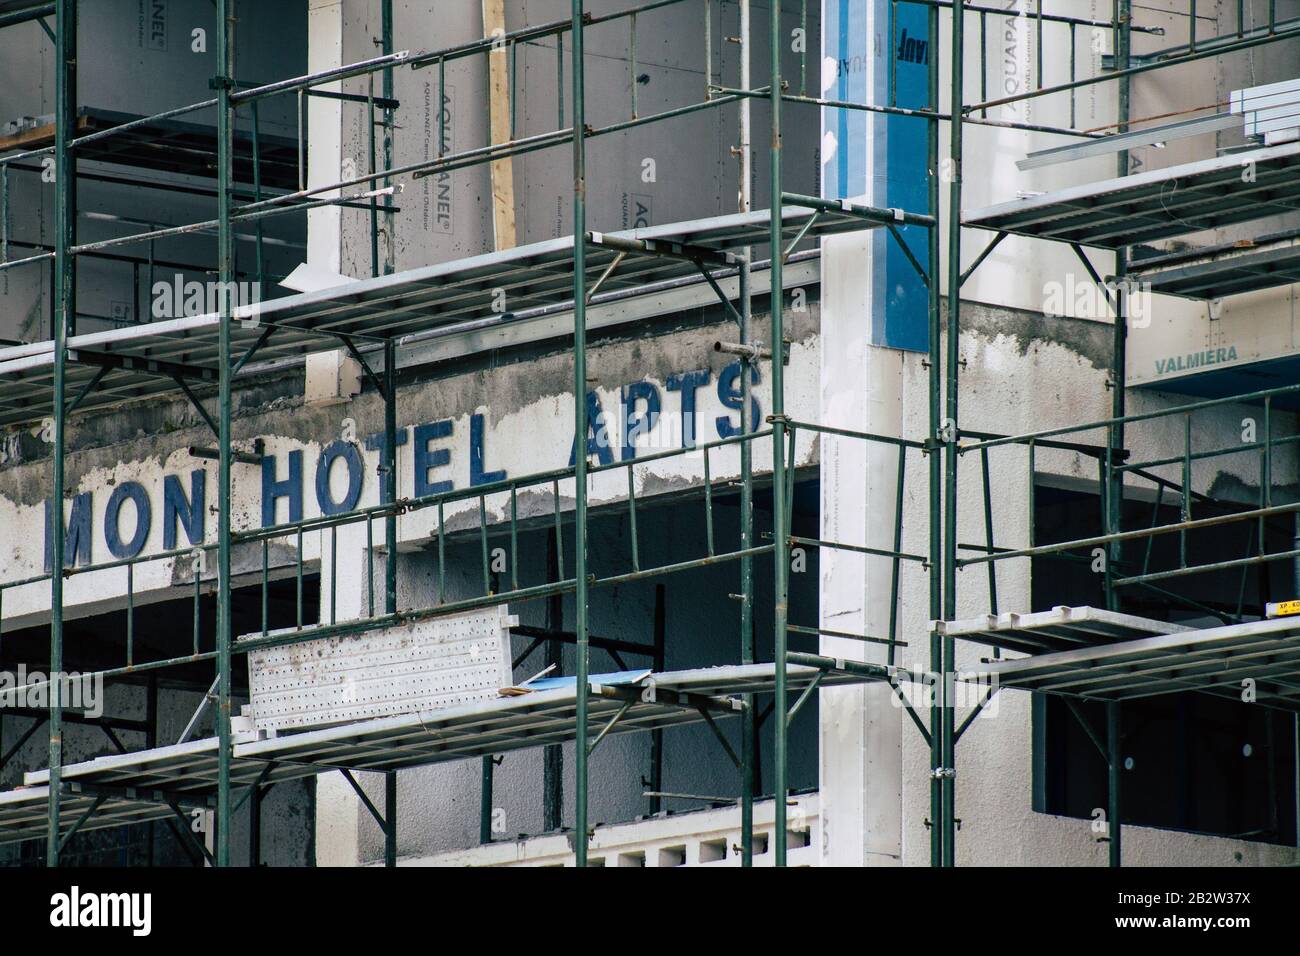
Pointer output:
x,y
692,173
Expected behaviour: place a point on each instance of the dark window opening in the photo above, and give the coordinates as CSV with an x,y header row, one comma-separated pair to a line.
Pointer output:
x,y
1192,761
162,630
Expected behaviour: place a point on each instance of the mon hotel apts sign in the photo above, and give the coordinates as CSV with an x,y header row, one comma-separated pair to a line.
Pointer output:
x,y
162,503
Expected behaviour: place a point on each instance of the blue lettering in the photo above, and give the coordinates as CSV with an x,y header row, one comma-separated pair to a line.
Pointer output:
x,y
425,459
143,519
634,424
76,542
688,383
598,442
730,395
273,490
330,454
477,476
188,513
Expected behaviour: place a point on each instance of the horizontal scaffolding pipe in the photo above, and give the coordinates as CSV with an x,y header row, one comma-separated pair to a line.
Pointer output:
x,y
25,16
1134,534
761,93
1235,46
526,34
485,154
1035,437
1014,12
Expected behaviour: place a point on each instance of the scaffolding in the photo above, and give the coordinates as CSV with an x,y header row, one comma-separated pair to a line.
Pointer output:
x,y
372,319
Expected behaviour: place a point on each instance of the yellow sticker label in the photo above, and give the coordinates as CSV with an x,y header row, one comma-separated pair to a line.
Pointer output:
x,y
1283,608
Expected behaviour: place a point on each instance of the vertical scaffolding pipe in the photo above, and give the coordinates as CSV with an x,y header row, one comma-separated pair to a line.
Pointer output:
x,y
65,311
950,458
390,476
386,41
390,818
553,755
780,553
936,429
390,564
748,731
225,263
255,826
580,754
485,799
1114,769
1123,18
658,664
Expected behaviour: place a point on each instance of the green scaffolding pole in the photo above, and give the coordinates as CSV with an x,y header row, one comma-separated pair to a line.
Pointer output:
x,y
1114,491
780,554
935,459
64,319
390,565
949,768
580,768
225,250
748,728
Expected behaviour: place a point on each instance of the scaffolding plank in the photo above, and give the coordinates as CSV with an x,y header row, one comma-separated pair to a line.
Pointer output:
x,y
23,813
1061,628
137,785
1216,660
392,306
533,720
1157,204
1219,271
185,773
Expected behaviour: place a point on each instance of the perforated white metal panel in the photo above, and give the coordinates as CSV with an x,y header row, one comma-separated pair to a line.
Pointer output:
x,y
420,666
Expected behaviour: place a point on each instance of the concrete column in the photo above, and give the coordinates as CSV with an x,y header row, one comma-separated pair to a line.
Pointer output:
x,y
323,128
861,757
861,760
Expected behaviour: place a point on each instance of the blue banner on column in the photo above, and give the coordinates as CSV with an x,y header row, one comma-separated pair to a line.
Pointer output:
x,y
859,36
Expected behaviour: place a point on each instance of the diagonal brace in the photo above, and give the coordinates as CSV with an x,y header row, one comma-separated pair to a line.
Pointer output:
x,y
374,812
90,812
198,406
907,252
87,389
370,373
807,692
613,721
1088,729
188,835
717,732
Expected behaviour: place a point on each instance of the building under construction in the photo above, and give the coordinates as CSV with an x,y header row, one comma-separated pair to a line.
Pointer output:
x,y
649,432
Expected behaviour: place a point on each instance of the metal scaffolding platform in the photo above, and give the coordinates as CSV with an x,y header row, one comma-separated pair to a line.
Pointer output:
x,y
24,814
1062,628
1158,204
538,718
144,361
148,785
185,774
1217,271
1218,660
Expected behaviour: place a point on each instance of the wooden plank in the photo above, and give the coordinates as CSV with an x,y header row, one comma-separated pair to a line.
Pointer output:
x,y
499,93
